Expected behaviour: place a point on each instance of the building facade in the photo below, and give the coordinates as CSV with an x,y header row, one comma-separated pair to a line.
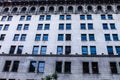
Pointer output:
x,y
77,39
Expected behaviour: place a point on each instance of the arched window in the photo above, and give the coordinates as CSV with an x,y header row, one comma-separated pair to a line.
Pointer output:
x,y
61,9
99,8
32,9
23,9
118,8
6,9
42,9
70,9
89,8
15,9
109,8
80,8
51,9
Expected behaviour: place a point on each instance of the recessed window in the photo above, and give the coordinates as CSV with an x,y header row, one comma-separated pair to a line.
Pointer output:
x,y
84,50
22,18
83,26
41,17
110,17
95,69
23,37
90,26
110,50
45,37
68,17
14,9
91,37
80,8
60,37
42,9
89,17
20,49
28,18
105,26
82,17
19,27
6,27
2,37
48,17
33,65
16,37
115,37
93,50
67,67
61,17
68,26
85,67
58,67
32,9
15,66
117,49
41,66
83,37
61,26
70,9
37,37
1,26
47,27
51,9
43,50
61,9
26,27
7,66
35,49
103,17
59,50
12,49
40,26
67,50
107,37
23,9
3,18
9,18
113,67
68,37
112,26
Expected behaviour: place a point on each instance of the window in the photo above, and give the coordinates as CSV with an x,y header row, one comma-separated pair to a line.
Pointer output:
x,y
2,37
41,17
110,50
20,49
59,50
45,37
9,18
85,67
19,27
68,17
105,26
15,66
6,27
103,17
93,50
3,18
12,49
83,26
115,37
84,50
58,68
68,37
67,67
89,17
41,66
61,17
91,37
82,17
23,37
1,26
7,66
60,37
16,37
28,18
83,37
61,26
33,65
95,69
112,26
22,18
113,67
110,17
117,49
107,37
90,26
48,17
47,26
68,26
67,50
39,26
38,37
35,49
43,50
26,26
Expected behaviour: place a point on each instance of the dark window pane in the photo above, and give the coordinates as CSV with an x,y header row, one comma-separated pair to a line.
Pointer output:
x,y
58,68
7,66
12,49
95,69
67,50
68,37
32,66
15,66
110,50
20,50
113,67
85,67
67,67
